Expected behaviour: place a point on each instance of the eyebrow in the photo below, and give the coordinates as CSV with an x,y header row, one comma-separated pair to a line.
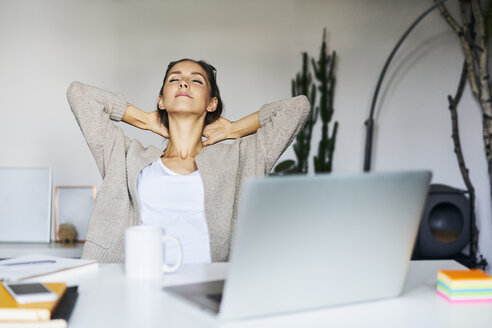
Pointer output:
x,y
192,73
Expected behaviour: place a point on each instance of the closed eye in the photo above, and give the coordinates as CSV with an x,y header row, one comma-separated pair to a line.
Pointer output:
x,y
173,80
198,81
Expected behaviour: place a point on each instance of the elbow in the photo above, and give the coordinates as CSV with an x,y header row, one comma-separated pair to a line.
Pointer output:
x,y
304,106
73,89
76,93
304,103
74,86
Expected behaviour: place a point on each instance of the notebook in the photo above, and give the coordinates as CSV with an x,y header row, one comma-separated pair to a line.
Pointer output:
x,y
38,266
306,242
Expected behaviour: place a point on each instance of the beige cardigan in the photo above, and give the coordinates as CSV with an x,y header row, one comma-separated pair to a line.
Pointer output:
x,y
223,168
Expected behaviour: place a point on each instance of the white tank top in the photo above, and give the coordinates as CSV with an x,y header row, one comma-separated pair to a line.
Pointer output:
x,y
175,202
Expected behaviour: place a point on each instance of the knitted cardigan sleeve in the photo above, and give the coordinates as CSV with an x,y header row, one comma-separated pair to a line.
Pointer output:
x,y
280,122
94,110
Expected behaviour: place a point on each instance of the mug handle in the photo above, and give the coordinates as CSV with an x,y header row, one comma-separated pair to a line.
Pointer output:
x,y
166,268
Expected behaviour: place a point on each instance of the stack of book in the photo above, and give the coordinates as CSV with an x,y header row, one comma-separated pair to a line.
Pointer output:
x,y
464,285
53,314
44,314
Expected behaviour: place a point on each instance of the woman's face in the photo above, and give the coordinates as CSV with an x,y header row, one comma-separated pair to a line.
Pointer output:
x,y
187,90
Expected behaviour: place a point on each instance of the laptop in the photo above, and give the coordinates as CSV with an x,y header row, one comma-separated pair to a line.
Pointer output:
x,y
306,242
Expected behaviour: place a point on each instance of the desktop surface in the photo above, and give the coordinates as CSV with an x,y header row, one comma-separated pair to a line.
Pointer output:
x,y
108,299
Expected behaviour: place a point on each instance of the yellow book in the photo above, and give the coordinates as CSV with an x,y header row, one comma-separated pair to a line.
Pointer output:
x,y
10,310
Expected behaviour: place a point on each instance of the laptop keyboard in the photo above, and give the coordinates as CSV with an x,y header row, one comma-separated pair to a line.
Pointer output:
x,y
215,297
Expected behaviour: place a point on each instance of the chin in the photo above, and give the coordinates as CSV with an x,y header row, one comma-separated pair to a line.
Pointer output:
x,y
183,109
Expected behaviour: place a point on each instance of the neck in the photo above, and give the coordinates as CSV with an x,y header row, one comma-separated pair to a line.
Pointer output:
x,y
185,138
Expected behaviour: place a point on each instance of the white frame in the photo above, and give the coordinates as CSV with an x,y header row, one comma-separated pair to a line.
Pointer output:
x,y
25,211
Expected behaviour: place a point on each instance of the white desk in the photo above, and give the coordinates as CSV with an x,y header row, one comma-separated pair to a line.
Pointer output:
x,y
108,299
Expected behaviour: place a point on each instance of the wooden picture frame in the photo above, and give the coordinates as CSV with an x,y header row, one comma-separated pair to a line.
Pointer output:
x,y
74,204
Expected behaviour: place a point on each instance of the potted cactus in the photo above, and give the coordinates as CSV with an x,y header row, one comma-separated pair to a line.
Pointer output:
x,y
324,72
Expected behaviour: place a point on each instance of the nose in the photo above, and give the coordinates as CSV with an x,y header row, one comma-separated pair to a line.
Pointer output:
x,y
183,84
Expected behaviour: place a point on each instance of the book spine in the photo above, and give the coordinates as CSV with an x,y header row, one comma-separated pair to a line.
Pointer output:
x,y
24,314
58,323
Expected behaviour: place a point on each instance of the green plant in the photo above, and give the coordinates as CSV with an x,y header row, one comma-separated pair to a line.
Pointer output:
x,y
324,72
304,85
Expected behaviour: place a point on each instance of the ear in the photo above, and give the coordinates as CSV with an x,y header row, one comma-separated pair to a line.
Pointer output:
x,y
161,103
212,105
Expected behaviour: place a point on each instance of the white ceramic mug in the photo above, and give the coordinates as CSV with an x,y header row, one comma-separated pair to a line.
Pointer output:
x,y
144,252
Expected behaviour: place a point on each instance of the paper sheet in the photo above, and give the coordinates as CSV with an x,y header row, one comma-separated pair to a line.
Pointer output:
x,y
25,271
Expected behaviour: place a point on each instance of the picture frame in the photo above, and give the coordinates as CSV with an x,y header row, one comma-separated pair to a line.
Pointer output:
x,y
74,204
25,206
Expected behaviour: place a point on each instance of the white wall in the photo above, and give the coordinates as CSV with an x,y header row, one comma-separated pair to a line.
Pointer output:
x,y
124,46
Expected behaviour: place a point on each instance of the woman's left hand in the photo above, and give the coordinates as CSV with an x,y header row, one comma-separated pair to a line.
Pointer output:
x,y
217,131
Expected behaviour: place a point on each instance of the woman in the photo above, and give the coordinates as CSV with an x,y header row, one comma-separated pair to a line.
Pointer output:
x,y
192,188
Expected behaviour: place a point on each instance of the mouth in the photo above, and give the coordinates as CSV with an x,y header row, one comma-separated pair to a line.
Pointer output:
x,y
183,94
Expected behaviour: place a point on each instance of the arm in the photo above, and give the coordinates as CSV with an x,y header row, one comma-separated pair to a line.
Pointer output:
x,y
224,129
145,121
280,122
274,127
95,110
245,126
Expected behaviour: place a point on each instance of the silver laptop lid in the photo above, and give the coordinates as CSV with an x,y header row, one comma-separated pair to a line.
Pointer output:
x,y
304,242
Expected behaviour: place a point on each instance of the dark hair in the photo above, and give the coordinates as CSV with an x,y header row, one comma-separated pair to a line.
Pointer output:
x,y
214,91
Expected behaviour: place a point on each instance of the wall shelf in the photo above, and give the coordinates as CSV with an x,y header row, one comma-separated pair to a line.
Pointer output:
x,y
9,250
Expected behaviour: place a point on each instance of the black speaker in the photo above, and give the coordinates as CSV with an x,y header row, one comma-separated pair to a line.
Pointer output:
x,y
445,228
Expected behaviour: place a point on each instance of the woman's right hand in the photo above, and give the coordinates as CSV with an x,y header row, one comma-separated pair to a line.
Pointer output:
x,y
156,126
